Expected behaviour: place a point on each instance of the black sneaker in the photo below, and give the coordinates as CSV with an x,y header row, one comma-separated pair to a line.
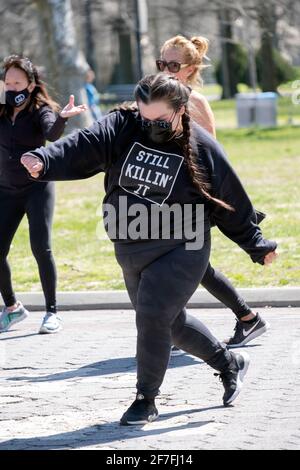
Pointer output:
x,y
176,351
233,378
246,332
142,411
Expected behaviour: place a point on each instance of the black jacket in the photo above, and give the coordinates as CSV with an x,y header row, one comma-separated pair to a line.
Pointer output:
x,y
146,172
30,130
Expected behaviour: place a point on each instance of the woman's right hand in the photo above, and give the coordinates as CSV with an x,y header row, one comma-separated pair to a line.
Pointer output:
x,y
270,257
32,164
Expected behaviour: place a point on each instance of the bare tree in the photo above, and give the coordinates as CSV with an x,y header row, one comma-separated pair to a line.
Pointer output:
x,y
266,17
267,14
18,29
66,64
226,35
105,31
89,33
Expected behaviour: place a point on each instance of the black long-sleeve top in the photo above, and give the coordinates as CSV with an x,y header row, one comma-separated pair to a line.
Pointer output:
x,y
150,174
30,130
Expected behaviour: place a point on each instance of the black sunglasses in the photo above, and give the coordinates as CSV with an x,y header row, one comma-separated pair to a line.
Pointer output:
x,y
172,66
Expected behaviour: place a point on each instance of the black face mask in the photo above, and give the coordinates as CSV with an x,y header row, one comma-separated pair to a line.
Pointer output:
x,y
159,132
16,98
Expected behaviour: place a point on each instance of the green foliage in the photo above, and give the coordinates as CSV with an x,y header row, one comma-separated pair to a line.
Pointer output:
x,y
284,71
239,72
238,62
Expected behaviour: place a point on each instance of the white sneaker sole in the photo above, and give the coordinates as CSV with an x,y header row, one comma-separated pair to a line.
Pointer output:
x,y
249,338
144,421
240,378
45,331
16,320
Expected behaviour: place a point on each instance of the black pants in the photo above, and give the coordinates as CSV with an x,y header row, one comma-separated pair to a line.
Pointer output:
x,y
221,288
38,205
160,283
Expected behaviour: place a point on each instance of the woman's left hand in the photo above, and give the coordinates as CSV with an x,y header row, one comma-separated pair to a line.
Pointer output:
x,y
71,110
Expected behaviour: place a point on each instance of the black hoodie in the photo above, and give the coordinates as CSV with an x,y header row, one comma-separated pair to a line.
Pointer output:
x,y
155,174
30,130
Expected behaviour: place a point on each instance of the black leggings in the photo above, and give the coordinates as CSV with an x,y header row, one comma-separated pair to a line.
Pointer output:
x,y
38,205
160,282
221,288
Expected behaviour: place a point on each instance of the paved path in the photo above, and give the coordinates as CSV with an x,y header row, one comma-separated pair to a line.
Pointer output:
x,y
69,390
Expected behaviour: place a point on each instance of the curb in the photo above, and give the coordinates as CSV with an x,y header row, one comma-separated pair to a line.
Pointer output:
x,y
115,300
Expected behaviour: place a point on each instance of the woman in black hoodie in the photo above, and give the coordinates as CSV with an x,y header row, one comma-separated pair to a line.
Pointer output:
x,y
27,119
164,179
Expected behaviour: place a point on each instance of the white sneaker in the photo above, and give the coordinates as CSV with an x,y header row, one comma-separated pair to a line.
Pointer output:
x,y
51,323
7,319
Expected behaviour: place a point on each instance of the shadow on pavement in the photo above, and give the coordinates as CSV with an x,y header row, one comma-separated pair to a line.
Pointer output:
x,y
18,337
106,367
106,433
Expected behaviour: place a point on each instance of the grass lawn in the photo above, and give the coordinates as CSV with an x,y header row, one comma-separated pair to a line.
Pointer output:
x,y
225,113
267,161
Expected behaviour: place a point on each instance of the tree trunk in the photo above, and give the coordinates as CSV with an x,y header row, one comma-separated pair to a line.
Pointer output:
x,y
183,17
66,65
123,71
267,24
89,36
227,54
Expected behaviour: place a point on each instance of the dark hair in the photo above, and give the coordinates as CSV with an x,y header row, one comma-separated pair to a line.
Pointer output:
x,y
198,173
124,106
162,87
40,95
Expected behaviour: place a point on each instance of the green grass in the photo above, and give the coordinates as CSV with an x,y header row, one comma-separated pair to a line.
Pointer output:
x,y
268,162
225,113
225,110
216,89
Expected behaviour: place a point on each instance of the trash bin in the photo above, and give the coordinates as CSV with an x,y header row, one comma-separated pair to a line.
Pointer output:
x,y
266,109
256,109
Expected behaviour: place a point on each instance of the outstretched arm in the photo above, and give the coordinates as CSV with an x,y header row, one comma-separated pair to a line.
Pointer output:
x,y
80,155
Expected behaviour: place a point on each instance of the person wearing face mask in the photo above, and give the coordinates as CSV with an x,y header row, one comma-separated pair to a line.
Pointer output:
x,y
157,161
28,118
183,58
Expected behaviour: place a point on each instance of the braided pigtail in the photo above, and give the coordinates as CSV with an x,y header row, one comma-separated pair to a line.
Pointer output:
x,y
198,174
